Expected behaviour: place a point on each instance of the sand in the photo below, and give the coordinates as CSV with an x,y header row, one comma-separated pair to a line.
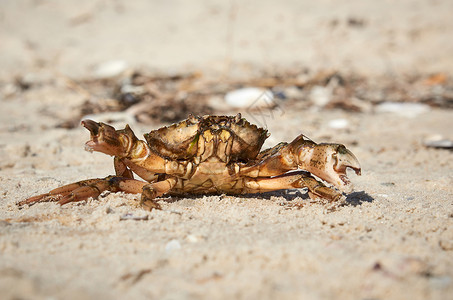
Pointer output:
x,y
392,240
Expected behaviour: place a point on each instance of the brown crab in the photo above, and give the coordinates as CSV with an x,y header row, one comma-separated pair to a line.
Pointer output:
x,y
208,155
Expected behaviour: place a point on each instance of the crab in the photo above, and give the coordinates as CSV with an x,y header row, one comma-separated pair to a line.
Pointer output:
x,y
208,155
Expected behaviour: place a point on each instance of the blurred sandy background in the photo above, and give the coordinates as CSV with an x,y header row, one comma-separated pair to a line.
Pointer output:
x,y
393,239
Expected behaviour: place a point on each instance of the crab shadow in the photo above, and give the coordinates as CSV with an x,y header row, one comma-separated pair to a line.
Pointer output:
x,y
352,199
358,198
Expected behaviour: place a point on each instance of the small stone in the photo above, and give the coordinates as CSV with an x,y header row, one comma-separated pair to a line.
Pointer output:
x,y
439,142
110,68
126,217
320,95
192,238
250,97
338,124
172,246
409,110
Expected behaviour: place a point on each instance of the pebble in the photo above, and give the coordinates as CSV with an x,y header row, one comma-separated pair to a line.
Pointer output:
x,y
110,68
172,246
409,110
438,141
249,97
320,95
132,217
192,238
338,123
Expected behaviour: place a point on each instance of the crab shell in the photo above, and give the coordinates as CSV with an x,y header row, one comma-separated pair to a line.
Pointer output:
x,y
230,139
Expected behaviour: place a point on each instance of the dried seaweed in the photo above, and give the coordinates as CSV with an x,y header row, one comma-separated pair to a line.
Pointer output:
x,y
166,98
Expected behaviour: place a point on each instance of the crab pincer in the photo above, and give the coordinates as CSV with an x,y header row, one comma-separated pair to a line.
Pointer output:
x,y
106,139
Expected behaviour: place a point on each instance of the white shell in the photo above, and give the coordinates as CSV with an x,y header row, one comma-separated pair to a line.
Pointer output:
x,y
250,97
409,110
110,68
338,123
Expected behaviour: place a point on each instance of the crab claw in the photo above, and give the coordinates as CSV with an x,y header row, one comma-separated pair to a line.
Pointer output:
x,y
327,161
108,140
330,161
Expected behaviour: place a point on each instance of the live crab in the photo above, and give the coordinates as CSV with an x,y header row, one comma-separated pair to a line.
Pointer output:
x,y
208,155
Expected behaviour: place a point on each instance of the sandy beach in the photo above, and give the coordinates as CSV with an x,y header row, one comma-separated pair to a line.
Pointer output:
x,y
392,239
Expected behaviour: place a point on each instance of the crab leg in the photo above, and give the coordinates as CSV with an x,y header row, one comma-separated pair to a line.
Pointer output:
x,y
85,189
125,168
121,168
154,190
299,179
58,193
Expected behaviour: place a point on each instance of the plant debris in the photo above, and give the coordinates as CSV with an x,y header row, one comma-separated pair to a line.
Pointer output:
x,y
167,98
